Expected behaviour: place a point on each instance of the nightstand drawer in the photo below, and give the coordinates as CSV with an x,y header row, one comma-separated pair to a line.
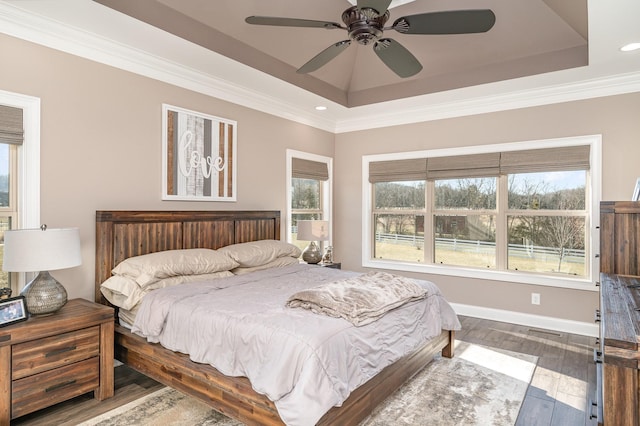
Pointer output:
x,y
52,352
48,388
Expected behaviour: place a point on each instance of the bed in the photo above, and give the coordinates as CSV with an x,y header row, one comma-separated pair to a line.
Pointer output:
x,y
122,235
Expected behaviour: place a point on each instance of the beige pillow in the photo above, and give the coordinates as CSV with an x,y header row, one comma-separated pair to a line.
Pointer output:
x,y
181,279
149,268
257,253
278,263
122,291
125,293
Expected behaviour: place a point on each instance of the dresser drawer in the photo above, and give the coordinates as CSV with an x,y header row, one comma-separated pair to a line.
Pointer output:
x,y
42,390
52,352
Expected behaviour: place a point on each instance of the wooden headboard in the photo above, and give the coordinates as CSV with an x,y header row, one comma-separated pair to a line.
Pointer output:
x,y
123,234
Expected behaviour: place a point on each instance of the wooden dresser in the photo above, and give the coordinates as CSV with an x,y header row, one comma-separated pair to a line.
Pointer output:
x,y
620,237
49,359
618,351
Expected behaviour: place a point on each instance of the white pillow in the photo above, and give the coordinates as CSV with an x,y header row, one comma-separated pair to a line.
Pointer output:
x,y
149,268
257,253
278,263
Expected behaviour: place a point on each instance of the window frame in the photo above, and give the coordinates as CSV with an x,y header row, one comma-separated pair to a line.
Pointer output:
x,y
326,191
593,189
27,196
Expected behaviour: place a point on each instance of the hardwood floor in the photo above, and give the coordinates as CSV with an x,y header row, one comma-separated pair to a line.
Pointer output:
x,y
559,393
565,377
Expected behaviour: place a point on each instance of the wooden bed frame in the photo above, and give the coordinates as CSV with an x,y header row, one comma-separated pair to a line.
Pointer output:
x,y
122,234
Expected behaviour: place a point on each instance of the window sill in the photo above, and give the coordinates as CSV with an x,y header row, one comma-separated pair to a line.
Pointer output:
x,y
512,277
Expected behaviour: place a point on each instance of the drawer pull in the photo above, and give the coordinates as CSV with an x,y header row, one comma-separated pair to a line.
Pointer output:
x,y
594,406
59,385
597,356
61,351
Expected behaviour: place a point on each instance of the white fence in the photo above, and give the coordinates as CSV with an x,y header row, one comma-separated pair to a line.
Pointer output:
x,y
475,246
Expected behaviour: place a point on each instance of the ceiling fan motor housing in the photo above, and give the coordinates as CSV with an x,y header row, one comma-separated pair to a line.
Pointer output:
x,y
364,25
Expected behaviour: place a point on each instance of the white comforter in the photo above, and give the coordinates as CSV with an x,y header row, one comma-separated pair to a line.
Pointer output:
x,y
304,362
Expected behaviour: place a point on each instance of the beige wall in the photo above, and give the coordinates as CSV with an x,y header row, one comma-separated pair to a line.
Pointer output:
x,y
101,149
101,144
615,118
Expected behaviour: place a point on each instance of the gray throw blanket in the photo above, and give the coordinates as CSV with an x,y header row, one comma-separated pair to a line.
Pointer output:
x,y
360,300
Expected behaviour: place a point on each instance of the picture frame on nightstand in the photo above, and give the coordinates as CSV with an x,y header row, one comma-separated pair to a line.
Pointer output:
x,y
13,310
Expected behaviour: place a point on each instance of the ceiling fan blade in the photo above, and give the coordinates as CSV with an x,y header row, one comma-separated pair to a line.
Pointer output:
x,y
448,22
323,57
397,57
290,22
380,6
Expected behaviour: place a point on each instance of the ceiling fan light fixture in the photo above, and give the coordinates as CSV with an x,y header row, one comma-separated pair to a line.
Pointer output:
x,y
394,3
365,25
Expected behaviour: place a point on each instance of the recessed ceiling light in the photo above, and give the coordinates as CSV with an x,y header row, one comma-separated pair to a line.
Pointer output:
x,y
630,47
321,108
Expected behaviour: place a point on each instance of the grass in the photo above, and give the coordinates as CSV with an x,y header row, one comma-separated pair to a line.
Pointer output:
x,y
477,260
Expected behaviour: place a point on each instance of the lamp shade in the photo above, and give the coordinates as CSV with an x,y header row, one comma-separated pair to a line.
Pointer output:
x,y
34,250
313,230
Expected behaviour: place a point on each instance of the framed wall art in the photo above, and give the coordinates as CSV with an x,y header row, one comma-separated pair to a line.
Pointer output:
x,y
198,156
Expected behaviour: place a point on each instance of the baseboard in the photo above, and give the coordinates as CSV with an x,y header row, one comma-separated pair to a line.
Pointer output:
x,y
538,321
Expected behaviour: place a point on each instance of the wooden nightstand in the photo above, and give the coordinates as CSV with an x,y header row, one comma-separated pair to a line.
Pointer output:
x,y
334,265
49,359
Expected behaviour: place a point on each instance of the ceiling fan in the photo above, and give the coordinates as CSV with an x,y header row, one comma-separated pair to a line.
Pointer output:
x,y
365,25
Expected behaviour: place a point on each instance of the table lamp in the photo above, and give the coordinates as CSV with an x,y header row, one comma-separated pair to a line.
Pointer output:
x,y
42,250
313,230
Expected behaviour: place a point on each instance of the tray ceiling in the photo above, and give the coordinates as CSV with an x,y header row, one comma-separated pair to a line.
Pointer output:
x,y
530,37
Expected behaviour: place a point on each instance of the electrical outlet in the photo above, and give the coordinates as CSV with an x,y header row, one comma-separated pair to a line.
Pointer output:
x,y
535,298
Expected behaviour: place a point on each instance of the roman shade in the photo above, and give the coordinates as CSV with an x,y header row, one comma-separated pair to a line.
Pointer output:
x,y
398,170
308,169
11,127
464,166
545,160
481,165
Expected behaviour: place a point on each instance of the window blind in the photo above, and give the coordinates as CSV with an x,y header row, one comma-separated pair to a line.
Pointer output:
x,y
482,165
308,169
464,166
398,170
545,160
11,127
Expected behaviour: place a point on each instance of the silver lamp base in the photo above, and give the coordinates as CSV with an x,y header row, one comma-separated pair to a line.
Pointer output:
x,y
312,254
44,295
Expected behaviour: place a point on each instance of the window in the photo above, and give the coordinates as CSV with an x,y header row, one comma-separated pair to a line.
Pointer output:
x,y
11,136
20,171
523,212
309,191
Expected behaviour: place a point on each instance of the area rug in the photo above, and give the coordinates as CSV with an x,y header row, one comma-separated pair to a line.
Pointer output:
x,y
479,386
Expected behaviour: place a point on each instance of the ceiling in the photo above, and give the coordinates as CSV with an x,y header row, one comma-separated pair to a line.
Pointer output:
x,y
529,37
535,47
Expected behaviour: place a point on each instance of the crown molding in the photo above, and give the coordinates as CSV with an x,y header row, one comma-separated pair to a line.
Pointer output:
x,y
267,94
18,23
421,109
